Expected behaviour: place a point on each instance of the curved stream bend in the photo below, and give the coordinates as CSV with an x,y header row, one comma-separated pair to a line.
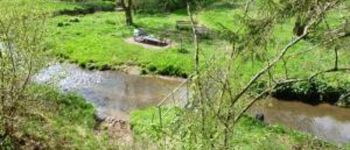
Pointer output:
x,y
114,94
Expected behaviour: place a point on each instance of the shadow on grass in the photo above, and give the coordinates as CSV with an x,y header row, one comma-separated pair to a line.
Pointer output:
x,y
87,8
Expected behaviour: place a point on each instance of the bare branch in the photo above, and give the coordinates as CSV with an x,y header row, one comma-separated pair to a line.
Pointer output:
x,y
262,95
195,38
271,64
328,71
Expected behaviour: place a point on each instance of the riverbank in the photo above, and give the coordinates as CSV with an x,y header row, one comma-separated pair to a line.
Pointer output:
x,y
53,120
248,134
71,111
114,94
113,109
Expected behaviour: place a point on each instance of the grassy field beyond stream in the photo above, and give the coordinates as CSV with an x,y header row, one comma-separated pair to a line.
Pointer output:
x,y
104,46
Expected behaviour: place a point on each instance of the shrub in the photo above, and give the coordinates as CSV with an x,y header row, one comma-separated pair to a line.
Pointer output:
x,y
183,51
105,67
82,65
74,20
152,68
170,70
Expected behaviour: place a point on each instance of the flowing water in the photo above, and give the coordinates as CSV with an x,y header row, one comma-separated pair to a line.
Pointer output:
x,y
325,121
115,94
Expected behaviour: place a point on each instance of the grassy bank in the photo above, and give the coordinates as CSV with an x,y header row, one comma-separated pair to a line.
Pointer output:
x,y
248,134
52,120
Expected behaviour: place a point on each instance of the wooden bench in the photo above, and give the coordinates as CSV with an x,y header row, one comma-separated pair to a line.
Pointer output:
x,y
184,25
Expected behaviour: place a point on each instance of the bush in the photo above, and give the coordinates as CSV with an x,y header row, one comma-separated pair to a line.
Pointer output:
x,y
171,71
82,65
183,51
91,66
105,67
312,92
152,68
74,20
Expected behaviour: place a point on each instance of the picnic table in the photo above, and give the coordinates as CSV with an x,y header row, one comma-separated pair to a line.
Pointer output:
x,y
201,30
142,37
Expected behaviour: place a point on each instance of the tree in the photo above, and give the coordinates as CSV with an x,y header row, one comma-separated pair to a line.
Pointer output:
x,y
127,7
222,92
21,49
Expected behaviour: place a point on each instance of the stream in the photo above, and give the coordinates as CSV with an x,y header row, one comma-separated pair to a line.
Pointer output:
x,y
328,122
116,94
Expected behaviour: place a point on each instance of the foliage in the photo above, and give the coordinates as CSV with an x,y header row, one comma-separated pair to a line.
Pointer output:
x,y
35,117
221,91
145,122
312,92
21,47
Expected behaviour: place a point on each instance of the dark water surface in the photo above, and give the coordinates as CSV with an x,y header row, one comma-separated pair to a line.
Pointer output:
x,y
115,94
325,121
112,93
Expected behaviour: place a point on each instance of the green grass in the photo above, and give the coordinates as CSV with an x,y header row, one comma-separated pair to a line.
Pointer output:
x,y
55,120
104,43
248,133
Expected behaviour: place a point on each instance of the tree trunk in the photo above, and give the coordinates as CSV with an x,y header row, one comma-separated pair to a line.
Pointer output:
x,y
128,11
128,15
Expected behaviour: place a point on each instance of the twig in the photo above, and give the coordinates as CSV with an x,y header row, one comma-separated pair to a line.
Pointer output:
x,y
195,39
271,64
328,71
171,93
262,95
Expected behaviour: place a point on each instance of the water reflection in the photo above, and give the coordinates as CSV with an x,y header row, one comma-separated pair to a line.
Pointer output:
x,y
325,121
113,93
116,94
